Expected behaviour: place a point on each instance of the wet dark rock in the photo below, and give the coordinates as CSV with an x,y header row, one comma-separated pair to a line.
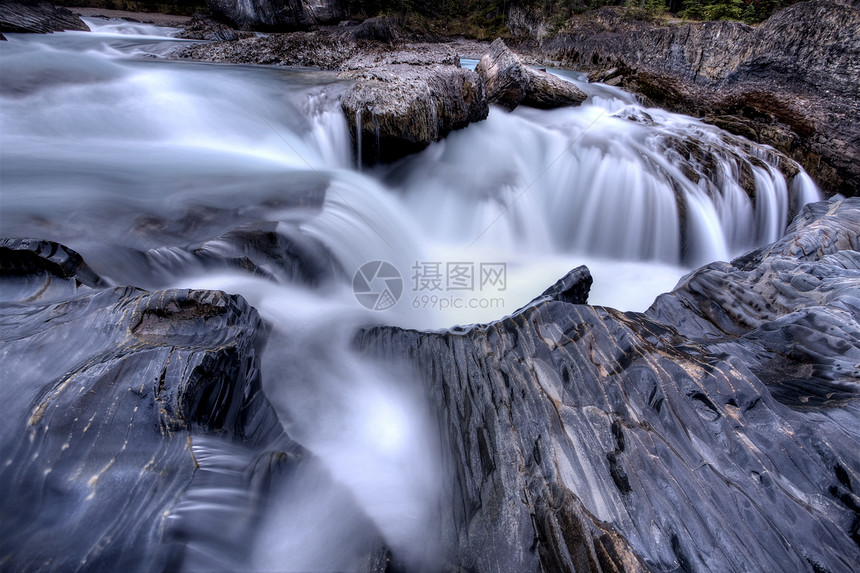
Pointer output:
x,y
37,17
572,287
20,257
791,82
547,91
695,435
394,110
791,309
510,83
114,395
204,27
34,269
379,29
278,250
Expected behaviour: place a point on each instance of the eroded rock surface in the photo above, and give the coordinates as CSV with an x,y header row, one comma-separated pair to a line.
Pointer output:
x,y
510,83
791,82
395,110
37,17
111,394
719,431
283,15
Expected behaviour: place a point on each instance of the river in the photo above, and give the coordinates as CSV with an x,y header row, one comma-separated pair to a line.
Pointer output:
x,y
141,164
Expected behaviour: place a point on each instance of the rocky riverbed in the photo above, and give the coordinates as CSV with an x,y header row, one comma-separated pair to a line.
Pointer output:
x,y
719,430
791,82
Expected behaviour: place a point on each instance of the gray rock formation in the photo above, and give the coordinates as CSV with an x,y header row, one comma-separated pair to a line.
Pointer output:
x,y
379,29
718,431
37,17
203,27
791,82
510,83
283,15
394,110
111,393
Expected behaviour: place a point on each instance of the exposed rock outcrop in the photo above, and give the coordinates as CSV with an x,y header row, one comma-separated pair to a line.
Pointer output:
x,y
510,83
405,96
37,17
282,15
791,82
395,110
380,29
716,431
693,436
204,27
111,393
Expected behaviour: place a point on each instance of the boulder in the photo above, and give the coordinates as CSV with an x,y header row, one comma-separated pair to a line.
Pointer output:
x,y
379,29
204,27
115,397
394,110
37,17
690,437
325,48
510,83
546,91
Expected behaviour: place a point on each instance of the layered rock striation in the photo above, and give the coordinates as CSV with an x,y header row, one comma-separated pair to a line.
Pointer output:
x,y
717,431
37,17
791,82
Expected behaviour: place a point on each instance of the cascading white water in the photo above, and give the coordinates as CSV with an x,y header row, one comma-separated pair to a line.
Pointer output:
x,y
119,157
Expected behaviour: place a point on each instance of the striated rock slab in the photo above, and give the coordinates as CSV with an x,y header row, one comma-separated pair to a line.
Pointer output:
x,y
115,397
719,431
22,257
394,110
791,310
271,15
510,83
37,17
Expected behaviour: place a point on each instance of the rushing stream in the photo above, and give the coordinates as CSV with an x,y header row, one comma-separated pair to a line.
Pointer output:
x,y
134,161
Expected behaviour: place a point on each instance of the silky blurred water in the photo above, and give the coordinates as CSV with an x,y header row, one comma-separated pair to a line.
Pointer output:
x,y
116,152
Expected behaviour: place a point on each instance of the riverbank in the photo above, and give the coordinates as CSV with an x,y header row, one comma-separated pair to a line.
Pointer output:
x,y
155,18
790,83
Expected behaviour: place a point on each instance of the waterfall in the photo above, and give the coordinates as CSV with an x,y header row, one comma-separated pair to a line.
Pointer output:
x,y
146,167
358,138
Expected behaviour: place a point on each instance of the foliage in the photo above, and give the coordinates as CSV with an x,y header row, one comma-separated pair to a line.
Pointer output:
x,y
645,9
750,11
489,18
